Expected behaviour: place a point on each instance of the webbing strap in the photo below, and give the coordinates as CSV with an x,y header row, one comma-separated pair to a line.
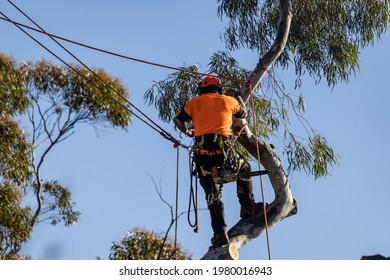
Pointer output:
x,y
208,152
200,144
205,172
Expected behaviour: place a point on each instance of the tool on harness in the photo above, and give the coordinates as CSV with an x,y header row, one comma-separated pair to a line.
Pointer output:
x,y
231,167
232,163
223,175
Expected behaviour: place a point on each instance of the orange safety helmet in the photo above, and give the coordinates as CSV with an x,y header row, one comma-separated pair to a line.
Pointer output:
x,y
209,81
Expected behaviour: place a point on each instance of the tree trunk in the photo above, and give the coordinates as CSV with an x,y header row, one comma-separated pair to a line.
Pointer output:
x,y
284,204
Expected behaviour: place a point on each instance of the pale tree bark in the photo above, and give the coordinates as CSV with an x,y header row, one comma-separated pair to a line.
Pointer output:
x,y
283,204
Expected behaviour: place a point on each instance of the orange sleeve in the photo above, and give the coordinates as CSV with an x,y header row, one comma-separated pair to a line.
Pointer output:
x,y
236,107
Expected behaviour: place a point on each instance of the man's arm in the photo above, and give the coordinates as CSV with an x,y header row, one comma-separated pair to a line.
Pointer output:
x,y
180,124
237,95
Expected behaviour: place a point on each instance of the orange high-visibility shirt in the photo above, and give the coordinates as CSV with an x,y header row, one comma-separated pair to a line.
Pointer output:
x,y
212,113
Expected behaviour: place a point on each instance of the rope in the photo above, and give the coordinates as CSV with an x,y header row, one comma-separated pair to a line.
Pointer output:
x,y
193,197
177,199
157,128
120,55
162,132
238,134
259,166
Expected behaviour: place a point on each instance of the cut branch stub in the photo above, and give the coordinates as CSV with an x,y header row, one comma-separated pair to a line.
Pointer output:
x,y
229,252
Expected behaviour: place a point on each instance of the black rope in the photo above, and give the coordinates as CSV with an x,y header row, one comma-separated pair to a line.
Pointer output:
x,y
157,128
193,200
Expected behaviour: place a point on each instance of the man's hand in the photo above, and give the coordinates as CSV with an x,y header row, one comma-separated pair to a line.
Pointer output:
x,y
182,127
190,132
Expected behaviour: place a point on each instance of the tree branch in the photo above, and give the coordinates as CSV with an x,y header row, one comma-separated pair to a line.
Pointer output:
x,y
272,55
284,204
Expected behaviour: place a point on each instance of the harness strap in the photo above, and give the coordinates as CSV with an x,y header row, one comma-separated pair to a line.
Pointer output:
x,y
205,172
215,140
208,152
221,142
201,142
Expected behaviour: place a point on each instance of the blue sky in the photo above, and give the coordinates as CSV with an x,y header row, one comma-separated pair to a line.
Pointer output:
x,y
341,217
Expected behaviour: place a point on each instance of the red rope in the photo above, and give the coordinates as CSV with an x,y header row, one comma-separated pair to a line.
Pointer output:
x,y
259,166
177,199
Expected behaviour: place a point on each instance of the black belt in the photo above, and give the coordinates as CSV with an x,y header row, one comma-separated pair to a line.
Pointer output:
x,y
210,138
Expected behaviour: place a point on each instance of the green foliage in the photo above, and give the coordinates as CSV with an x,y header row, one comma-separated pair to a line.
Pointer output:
x,y
227,66
13,98
325,35
58,204
78,96
15,152
267,120
266,115
315,158
55,100
15,221
141,244
170,95
272,110
324,42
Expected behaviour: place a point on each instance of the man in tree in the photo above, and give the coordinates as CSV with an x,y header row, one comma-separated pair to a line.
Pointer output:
x,y
211,114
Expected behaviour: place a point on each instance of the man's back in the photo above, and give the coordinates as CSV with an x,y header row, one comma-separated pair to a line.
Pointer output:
x,y
212,113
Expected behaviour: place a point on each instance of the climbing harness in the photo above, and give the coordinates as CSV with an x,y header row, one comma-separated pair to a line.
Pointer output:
x,y
228,172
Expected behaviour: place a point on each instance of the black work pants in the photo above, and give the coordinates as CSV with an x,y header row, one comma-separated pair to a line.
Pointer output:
x,y
213,192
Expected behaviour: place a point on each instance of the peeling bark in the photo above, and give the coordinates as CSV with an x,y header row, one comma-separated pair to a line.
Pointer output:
x,y
284,204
